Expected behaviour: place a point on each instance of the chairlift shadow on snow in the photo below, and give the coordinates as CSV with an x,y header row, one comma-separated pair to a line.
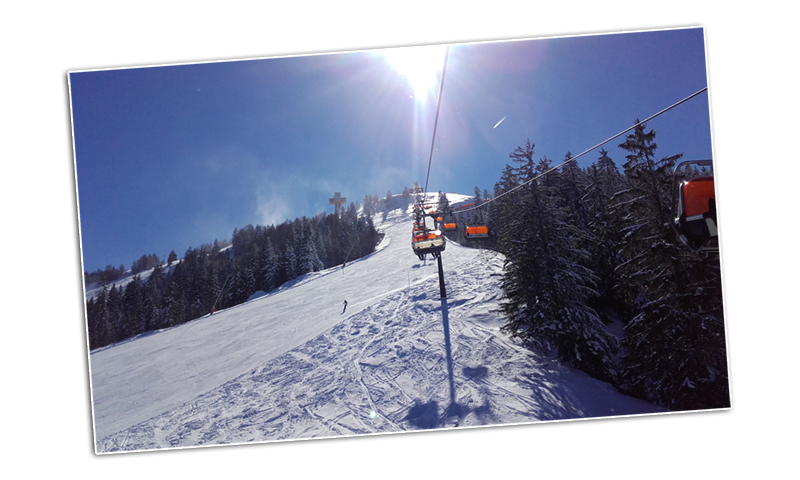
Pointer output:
x,y
426,415
476,373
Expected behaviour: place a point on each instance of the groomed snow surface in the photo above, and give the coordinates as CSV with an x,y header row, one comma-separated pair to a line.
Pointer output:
x,y
291,365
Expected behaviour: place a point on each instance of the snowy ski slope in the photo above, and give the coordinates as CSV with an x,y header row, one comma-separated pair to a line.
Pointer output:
x,y
289,365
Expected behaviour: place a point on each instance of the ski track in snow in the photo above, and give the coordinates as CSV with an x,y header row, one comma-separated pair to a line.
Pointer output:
x,y
398,361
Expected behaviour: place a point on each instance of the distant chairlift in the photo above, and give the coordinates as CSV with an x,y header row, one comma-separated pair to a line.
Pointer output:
x,y
479,231
696,209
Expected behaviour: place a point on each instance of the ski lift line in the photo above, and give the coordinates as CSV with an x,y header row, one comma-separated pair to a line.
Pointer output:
x,y
436,120
220,292
347,257
352,244
588,150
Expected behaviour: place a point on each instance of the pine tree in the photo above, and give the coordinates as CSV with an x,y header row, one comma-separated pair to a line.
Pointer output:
x,y
290,262
503,209
674,350
648,243
134,307
153,313
99,320
444,205
116,316
604,224
675,347
242,285
174,303
311,261
268,271
572,185
545,288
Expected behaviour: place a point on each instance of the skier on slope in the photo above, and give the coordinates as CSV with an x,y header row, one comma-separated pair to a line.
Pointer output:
x,y
345,307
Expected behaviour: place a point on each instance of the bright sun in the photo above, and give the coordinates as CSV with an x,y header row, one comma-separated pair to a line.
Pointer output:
x,y
422,66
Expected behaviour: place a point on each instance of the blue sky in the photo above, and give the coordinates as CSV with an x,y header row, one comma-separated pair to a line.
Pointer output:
x,y
171,157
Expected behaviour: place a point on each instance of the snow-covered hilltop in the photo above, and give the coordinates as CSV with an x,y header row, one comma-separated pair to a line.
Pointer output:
x,y
291,364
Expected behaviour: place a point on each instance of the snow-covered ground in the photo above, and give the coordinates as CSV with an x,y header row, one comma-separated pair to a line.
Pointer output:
x,y
291,365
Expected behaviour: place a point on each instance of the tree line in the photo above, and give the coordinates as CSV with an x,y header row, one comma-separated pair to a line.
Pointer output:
x,y
259,258
588,248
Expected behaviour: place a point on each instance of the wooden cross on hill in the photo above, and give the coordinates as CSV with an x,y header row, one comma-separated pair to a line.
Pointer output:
x,y
338,200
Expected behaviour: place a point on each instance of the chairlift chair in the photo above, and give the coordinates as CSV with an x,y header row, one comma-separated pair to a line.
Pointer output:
x,y
478,231
425,240
696,209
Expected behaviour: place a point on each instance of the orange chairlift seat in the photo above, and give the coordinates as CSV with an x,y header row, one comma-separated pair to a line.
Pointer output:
x,y
696,215
480,231
425,240
430,241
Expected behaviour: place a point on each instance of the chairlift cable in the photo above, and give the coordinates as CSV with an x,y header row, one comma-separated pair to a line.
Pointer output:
x,y
436,121
586,151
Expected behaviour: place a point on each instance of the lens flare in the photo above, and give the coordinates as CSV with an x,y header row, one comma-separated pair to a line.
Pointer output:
x,y
422,66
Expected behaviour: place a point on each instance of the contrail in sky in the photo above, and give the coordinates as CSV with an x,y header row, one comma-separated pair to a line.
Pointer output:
x,y
501,121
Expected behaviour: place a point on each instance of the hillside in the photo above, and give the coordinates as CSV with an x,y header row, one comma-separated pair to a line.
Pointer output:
x,y
292,365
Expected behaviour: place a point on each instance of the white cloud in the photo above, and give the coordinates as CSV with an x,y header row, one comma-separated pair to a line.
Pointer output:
x,y
273,208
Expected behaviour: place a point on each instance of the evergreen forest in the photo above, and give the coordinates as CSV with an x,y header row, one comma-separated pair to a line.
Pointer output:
x,y
220,275
590,250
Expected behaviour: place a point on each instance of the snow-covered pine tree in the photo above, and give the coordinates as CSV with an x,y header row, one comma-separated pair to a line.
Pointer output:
x,y
133,307
152,300
174,302
443,206
546,289
604,226
289,264
269,267
242,285
674,346
572,184
99,320
116,310
311,261
503,206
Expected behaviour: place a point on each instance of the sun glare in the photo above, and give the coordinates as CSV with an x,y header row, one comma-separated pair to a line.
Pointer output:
x,y
422,66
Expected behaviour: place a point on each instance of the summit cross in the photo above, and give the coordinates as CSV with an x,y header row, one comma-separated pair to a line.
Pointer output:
x,y
338,201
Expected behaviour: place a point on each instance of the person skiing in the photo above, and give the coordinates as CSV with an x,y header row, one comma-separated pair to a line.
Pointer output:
x,y
345,307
